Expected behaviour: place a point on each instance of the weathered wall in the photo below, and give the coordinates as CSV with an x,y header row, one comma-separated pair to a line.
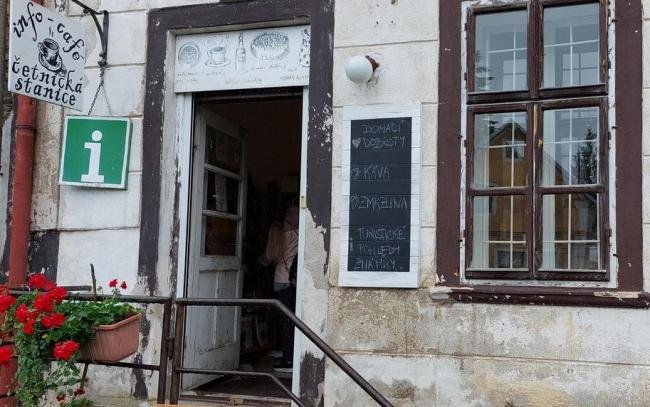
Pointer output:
x,y
104,227
416,351
422,353
73,227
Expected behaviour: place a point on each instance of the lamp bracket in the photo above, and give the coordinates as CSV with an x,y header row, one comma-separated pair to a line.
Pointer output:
x,y
102,29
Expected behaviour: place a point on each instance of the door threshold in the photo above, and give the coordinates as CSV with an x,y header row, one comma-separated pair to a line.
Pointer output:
x,y
225,399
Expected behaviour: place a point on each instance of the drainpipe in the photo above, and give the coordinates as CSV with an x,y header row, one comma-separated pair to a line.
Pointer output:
x,y
21,187
3,31
21,202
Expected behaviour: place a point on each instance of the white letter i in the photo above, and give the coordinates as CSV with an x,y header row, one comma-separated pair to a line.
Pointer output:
x,y
95,154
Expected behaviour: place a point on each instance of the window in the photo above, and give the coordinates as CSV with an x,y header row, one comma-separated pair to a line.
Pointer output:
x,y
537,142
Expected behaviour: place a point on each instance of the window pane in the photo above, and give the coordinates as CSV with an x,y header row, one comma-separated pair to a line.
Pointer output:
x,y
571,45
499,233
571,232
219,236
221,193
499,150
500,59
222,150
570,147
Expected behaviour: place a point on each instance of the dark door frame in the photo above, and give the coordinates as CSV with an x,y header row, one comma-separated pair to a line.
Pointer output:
x,y
320,14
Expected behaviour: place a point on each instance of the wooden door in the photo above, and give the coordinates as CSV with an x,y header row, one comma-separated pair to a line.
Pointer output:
x,y
216,241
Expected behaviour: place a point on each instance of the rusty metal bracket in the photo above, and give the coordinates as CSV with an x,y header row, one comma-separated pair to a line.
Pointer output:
x,y
102,29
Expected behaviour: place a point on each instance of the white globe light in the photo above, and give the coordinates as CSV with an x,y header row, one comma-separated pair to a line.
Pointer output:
x,y
359,69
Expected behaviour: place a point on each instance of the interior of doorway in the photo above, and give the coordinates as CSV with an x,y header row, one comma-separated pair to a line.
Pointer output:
x,y
272,129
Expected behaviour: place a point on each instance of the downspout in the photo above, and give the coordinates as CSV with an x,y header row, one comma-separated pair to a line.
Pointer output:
x,y
21,202
21,188
3,44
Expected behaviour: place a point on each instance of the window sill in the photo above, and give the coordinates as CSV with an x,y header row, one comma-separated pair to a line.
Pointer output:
x,y
579,297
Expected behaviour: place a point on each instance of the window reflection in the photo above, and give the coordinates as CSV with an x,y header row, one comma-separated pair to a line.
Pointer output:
x,y
499,150
571,45
571,232
500,58
570,147
499,233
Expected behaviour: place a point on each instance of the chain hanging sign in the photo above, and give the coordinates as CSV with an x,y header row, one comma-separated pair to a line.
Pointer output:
x,y
46,55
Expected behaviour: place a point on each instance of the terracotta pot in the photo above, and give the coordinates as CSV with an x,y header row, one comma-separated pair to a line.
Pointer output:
x,y
115,342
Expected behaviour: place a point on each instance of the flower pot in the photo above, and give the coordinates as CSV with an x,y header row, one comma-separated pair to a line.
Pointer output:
x,y
114,342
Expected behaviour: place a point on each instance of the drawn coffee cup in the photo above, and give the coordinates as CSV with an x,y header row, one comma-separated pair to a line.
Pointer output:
x,y
217,54
50,50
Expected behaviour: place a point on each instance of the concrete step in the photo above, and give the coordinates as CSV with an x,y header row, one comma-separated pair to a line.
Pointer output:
x,y
229,400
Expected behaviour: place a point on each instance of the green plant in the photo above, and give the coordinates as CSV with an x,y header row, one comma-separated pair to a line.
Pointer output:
x,y
49,327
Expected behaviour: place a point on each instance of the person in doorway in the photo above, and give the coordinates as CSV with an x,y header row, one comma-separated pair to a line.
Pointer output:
x,y
281,250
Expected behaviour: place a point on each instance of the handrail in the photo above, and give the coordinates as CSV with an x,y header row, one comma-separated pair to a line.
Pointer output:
x,y
177,369
166,302
167,341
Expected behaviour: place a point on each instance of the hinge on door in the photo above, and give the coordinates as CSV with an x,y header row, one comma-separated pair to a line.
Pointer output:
x,y
303,202
170,347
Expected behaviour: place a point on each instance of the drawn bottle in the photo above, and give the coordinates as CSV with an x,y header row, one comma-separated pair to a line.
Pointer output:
x,y
240,54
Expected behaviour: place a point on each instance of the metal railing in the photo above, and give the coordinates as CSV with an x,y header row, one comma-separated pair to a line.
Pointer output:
x,y
162,366
169,344
178,369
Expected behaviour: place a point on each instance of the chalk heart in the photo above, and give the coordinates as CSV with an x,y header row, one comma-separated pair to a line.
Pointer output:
x,y
356,142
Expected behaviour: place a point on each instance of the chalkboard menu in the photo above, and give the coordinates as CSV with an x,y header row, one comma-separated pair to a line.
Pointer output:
x,y
380,195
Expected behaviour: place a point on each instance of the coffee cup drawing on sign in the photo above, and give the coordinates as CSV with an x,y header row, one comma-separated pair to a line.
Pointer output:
x,y
49,56
217,57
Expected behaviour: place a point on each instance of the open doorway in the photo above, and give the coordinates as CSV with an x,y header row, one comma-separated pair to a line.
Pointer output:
x,y
244,218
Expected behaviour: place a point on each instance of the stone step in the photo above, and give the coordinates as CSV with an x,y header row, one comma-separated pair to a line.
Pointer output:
x,y
229,400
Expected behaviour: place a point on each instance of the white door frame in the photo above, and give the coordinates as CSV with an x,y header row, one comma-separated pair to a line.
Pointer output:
x,y
184,137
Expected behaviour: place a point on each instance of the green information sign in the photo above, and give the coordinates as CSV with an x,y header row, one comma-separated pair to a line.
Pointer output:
x,y
95,152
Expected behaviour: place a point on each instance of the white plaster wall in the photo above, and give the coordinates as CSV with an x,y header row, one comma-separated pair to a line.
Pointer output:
x,y
421,353
103,226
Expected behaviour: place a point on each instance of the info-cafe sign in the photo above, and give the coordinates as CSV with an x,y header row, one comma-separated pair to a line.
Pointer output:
x,y
95,152
46,55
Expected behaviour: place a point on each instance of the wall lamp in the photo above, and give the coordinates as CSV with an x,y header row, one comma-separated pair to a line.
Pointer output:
x,y
359,69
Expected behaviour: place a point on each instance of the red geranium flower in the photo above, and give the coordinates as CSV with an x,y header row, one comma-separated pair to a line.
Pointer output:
x,y
79,392
6,301
113,283
123,285
37,281
44,302
65,350
49,286
6,352
22,313
60,397
58,294
28,327
53,320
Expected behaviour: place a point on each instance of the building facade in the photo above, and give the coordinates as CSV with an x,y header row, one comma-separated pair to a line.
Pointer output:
x,y
533,261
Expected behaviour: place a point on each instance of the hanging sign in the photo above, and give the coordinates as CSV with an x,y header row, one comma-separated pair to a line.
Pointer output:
x,y
46,55
261,58
95,152
380,214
